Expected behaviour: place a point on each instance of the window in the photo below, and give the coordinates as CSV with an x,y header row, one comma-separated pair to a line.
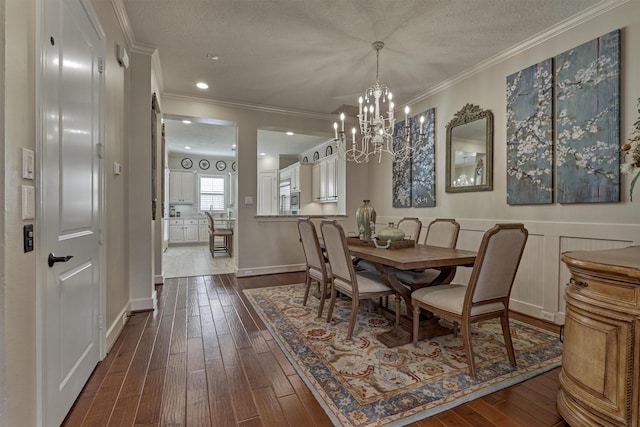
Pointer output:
x,y
212,193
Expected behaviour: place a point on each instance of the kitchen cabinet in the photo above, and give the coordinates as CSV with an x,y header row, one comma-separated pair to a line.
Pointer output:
x,y
324,179
600,375
183,230
203,230
181,187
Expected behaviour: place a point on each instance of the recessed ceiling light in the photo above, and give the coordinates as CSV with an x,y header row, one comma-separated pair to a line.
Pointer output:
x,y
263,154
234,145
212,57
290,133
186,122
202,85
187,148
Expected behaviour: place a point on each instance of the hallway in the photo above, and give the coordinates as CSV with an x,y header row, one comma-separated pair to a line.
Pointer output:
x,y
194,260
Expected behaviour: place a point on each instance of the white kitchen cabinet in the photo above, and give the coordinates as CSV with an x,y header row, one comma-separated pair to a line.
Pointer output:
x,y
181,187
324,177
203,230
183,230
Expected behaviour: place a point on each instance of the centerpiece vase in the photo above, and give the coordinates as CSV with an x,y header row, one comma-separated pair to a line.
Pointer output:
x,y
365,216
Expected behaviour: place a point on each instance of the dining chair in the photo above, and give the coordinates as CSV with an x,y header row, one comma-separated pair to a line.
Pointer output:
x,y
357,286
411,227
487,294
225,233
317,268
440,232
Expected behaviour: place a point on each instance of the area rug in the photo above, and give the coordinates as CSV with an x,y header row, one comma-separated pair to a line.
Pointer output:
x,y
361,382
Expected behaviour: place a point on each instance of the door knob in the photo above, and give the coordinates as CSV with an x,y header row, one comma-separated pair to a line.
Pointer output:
x,y
53,258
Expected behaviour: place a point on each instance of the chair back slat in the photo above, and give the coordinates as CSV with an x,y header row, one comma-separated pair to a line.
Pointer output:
x,y
310,244
337,249
497,263
443,232
411,228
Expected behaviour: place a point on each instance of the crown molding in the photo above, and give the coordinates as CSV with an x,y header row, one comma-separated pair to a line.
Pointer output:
x,y
535,40
123,20
247,106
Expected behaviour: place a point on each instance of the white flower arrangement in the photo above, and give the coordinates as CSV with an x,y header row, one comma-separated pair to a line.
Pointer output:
x,y
631,156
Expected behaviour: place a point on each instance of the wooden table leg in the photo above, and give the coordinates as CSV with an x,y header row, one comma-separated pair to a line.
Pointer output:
x,y
401,334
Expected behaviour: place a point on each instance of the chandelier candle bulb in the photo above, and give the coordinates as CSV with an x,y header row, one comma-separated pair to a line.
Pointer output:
x,y
342,120
335,129
406,113
360,102
421,123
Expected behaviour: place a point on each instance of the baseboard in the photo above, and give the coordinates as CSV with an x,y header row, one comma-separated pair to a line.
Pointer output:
x,y
144,304
275,269
158,279
116,327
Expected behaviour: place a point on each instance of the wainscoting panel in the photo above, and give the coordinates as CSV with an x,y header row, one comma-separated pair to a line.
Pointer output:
x,y
539,286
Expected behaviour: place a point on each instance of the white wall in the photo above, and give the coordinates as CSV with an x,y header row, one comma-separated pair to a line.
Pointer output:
x,y
553,228
19,269
263,245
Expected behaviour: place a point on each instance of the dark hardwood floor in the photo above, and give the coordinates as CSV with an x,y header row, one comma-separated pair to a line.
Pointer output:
x,y
205,358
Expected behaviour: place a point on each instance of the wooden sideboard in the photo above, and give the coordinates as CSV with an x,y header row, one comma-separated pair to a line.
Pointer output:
x,y
600,375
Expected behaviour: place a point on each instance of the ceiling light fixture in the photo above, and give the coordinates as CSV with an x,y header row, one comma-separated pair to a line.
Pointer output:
x,y
186,122
187,148
376,130
202,85
290,133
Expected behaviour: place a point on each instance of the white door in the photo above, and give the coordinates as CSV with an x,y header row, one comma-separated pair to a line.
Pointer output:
x,y
267,193
71,211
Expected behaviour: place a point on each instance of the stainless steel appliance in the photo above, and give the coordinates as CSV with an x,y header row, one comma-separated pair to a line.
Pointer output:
x,y
294,201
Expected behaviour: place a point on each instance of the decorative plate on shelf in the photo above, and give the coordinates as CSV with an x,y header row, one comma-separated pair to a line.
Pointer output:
x,y
186,163
328,151
316,156
233,166
221,165
204,164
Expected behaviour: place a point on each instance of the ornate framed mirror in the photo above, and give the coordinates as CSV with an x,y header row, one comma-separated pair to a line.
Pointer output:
x,y
469,150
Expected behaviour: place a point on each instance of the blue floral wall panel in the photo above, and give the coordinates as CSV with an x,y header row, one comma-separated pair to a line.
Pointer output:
x,y
588,122
401,172
423,168
530,135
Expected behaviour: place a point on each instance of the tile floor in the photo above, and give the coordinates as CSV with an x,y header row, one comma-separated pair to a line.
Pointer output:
x,y
184,261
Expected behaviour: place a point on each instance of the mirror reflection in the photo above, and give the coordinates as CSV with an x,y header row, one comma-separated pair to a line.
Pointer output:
x,y
469,150
299,175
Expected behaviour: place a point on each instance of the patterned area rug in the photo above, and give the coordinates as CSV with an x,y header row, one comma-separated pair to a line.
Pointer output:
x,y
363,383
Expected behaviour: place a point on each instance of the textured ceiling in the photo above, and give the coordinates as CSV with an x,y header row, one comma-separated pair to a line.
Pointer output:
x,y
316,55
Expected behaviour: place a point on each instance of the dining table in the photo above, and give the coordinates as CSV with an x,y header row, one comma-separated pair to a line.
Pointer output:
x,y
390,261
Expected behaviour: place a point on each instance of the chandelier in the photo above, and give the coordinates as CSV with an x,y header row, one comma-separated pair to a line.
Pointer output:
x,y
376,131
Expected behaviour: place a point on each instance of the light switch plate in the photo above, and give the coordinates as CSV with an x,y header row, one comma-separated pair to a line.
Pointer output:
x,y
27,163
28,202
248,200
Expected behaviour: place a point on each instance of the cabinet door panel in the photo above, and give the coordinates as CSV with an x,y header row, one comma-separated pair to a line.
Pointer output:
x,y
597,359
176,234
190,233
